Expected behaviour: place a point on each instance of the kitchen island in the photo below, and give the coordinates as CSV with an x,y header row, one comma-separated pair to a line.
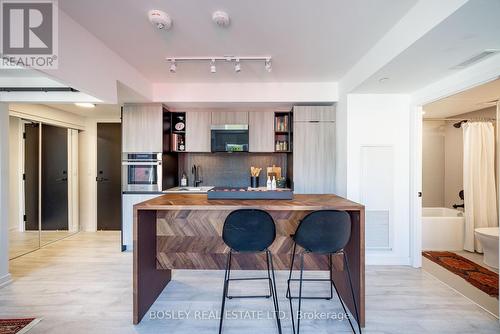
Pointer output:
x,y
183,231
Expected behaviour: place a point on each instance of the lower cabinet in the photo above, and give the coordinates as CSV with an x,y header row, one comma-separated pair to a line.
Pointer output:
x,y
128,202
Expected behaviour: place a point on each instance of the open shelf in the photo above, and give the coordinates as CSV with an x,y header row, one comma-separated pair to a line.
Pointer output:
x,y
178,137
283,135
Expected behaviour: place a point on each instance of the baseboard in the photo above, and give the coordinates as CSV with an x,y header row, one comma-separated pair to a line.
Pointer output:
x,y
5,280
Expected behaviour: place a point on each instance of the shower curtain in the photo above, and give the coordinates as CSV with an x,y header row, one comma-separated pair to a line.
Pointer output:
x,y
479,180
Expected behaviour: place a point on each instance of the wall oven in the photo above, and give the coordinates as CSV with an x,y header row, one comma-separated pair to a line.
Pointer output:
x,y
142,172
229,138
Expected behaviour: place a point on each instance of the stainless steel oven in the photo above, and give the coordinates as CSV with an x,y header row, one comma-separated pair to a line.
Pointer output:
x,y
142,172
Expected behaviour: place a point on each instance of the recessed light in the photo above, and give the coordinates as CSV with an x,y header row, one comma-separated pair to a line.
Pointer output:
x,y
85,105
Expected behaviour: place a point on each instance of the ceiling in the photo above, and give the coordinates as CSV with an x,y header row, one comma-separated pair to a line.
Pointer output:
x,y
470,30
308,43
477,98
100,111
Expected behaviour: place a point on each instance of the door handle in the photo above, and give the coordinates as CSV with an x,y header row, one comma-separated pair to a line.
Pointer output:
x,y
62,179
101,179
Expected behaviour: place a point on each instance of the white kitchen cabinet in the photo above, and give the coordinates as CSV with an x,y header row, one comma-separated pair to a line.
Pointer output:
x,y
313,155
198,131
142,128
128,202
229,117
261,131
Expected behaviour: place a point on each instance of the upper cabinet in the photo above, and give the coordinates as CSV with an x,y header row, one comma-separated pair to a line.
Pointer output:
x,y
313,113
261,131
229,117
198,131
142,128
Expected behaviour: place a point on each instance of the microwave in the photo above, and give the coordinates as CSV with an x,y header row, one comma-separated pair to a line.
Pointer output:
x,y
229,138
142,172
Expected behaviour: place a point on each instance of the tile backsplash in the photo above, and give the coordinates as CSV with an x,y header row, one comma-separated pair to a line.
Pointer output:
x,y
230,169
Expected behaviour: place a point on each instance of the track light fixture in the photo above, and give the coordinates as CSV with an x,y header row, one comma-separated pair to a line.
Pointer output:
x,y
213,69
237,66
228,59
173,66
268,65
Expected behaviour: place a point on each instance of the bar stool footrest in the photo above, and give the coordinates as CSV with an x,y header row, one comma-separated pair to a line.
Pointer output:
x,y
248,279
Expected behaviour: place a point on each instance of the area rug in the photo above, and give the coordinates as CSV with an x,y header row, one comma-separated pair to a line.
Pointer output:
x,y
17,326
482,278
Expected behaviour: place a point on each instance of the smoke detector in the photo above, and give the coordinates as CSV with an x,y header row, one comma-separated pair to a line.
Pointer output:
x,y
160,19
220,18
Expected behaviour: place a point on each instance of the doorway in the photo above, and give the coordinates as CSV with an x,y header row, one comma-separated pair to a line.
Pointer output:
x,y
454,168
109,206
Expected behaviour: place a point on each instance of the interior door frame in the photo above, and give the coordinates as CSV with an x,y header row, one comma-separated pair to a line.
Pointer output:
x,y
416,110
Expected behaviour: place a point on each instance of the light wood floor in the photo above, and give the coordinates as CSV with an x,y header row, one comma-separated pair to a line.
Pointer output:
x,y
24,242
83,284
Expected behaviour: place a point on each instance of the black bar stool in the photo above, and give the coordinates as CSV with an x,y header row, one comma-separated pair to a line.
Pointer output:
x,y
249,231
324,232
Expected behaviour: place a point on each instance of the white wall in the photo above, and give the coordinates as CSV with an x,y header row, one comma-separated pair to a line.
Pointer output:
x,y
4,194
433,163
47,115
381,121
15,171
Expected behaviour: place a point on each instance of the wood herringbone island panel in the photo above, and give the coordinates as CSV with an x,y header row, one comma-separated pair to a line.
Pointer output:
x,y
192,239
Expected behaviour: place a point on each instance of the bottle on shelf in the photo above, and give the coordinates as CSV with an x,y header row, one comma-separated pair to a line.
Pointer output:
x,y
273,183
184,180
269,183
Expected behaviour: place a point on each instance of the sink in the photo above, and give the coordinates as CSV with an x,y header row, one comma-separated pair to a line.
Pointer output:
x,y
188,190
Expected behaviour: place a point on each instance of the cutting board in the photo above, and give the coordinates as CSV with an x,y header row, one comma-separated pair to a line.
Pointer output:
x,y
274,171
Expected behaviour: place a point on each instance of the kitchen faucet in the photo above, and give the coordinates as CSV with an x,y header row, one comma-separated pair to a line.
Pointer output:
x,y
196,172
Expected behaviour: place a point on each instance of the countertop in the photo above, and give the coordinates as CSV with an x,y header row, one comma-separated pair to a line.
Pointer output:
x,y
201,202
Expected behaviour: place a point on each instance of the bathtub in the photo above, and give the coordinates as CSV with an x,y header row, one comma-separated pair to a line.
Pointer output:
x,y
442,229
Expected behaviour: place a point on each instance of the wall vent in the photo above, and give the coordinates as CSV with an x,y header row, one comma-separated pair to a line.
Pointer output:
x,y
476,59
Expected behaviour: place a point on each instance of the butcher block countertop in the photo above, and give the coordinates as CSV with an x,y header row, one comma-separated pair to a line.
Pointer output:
x,y
201,202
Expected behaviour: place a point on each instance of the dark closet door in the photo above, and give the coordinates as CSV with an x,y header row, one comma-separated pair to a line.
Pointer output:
x,y
109,205
31,177
54,178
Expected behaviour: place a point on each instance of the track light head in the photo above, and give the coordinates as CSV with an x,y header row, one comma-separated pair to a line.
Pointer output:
x,y
213,68
268,65
237,66
173,66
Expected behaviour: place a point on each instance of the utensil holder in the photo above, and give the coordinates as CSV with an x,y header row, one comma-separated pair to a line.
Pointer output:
x,y
254,181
